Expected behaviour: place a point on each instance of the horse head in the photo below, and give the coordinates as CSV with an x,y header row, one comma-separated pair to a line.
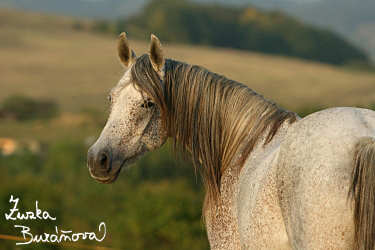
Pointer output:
x,y
134,125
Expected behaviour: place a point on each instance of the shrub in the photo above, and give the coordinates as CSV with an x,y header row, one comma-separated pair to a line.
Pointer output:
x,y
25,108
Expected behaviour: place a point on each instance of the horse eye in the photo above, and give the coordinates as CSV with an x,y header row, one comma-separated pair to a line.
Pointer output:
x,y
147,104
109,98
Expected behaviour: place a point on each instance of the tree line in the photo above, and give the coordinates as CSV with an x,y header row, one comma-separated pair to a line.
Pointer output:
x,y
180,21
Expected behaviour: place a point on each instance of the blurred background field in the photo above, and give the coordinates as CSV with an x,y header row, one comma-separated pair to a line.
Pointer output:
x,y
56,73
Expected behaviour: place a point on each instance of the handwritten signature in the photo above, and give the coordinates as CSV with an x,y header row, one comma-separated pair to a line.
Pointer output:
x,y
44,215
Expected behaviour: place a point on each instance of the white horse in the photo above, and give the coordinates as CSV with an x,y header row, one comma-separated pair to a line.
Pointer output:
x,y
273,180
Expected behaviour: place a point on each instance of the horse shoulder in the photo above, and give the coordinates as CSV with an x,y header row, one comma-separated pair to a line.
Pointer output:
x,y
260,221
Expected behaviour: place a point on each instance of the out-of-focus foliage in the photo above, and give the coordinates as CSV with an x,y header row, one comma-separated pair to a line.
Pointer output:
x,y
153,205
26,108
250,29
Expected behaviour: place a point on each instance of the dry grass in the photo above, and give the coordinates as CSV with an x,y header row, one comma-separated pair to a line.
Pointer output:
x,y
47,132
42,56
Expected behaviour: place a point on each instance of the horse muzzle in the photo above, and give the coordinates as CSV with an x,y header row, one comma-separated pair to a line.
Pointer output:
x,y
103,168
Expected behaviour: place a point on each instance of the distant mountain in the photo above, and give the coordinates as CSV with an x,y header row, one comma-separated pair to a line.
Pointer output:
x,y
181,21
107,9
352,19
264,4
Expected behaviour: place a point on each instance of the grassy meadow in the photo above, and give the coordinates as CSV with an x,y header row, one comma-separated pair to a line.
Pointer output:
x,y
155,204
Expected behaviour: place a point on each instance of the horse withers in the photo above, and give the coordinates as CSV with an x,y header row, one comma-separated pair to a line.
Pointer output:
x,y
273,180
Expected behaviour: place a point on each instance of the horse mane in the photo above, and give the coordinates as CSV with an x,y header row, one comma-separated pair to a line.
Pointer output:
x,y
210,116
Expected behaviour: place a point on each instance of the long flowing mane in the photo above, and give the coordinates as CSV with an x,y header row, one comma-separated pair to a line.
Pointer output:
x,y
210,116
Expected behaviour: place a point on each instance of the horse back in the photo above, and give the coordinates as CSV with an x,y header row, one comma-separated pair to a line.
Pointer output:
x,y
313,177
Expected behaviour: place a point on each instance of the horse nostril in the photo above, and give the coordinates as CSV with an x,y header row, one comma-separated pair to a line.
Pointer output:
x,y
103,161
99,163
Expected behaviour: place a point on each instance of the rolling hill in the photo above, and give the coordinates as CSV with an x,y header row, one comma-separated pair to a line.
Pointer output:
x,y
354,20
48,56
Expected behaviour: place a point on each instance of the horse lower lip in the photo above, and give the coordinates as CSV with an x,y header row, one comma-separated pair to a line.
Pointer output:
x,y
112,179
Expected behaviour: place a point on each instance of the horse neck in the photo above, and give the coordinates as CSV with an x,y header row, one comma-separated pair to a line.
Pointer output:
x,y
218,120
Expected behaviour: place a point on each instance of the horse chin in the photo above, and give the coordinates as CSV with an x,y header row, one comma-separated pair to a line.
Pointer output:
x,y
111,179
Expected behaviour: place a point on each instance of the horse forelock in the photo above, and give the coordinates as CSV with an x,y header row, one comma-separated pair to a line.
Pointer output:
x,y
210,116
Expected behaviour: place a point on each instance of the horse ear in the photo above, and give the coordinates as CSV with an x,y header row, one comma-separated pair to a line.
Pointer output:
x,y
156,54
125,53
